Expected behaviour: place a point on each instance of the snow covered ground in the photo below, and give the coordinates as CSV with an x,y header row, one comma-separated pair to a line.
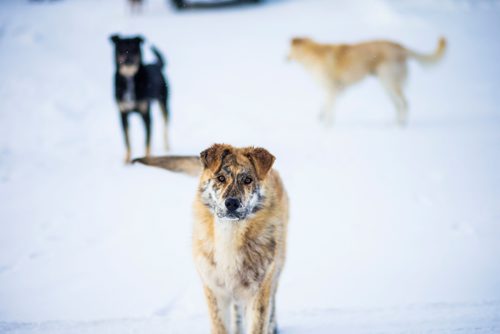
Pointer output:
x,y
392,230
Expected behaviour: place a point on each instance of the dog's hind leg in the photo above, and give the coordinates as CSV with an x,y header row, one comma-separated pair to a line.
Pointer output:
x,y
392,77
145,111
146,118
124,119
328,112
165,113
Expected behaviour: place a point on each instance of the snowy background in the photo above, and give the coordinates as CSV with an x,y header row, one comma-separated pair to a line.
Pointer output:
x,y
392,230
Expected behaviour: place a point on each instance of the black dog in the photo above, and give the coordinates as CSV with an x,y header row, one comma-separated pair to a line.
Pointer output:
x,y
136,85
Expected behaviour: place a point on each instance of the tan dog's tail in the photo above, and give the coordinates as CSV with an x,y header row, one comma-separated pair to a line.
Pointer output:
x,y
429,59
190,165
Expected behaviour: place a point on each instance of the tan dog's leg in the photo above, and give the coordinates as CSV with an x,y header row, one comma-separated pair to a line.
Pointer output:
x,y
219,311
273,325
259,310
392,77
328,112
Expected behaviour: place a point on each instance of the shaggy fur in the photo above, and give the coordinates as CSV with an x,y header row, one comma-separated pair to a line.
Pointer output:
x,y
239,249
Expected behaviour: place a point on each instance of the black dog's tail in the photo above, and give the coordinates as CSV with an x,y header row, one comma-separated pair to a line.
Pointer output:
x,y
159,58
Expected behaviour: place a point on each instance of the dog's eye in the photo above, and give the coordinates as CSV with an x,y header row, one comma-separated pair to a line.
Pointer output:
x,y
221,178
247,180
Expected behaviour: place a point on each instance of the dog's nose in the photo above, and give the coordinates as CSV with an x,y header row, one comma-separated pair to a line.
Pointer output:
x,y
232,204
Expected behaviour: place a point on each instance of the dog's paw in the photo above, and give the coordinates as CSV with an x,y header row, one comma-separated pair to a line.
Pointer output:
x,y
328,122
321,116
128,158
402,123
327,119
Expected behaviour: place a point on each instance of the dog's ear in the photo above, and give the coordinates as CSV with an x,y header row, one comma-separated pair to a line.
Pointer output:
x,y
262,161
139,39
300,40
212,157
114,38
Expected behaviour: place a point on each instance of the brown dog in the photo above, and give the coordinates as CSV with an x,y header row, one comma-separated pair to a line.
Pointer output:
x,y
239,239
337,66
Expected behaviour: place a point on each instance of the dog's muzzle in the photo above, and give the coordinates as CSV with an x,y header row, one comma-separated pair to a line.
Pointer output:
x,y
232,204
233,210
128,70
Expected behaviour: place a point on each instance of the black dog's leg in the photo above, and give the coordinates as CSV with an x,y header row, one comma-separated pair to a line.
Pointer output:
x,y
146,117
124,117
165,113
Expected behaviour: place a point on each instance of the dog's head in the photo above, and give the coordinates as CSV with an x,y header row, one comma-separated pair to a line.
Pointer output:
x,y
232,179
128,54
298,48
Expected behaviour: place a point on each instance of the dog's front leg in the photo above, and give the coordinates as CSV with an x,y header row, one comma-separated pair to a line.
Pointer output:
x,y
124,118
328,113
236,319
259,310
219,310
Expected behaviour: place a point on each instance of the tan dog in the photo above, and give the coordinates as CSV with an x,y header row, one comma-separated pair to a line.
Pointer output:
x,y
337,66
239,239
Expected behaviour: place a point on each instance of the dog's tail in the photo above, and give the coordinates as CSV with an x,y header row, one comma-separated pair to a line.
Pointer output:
x,y
429,59
159,58
190,165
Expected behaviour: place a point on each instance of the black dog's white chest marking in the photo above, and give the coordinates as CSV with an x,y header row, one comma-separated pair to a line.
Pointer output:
x,y
129,95
128,101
